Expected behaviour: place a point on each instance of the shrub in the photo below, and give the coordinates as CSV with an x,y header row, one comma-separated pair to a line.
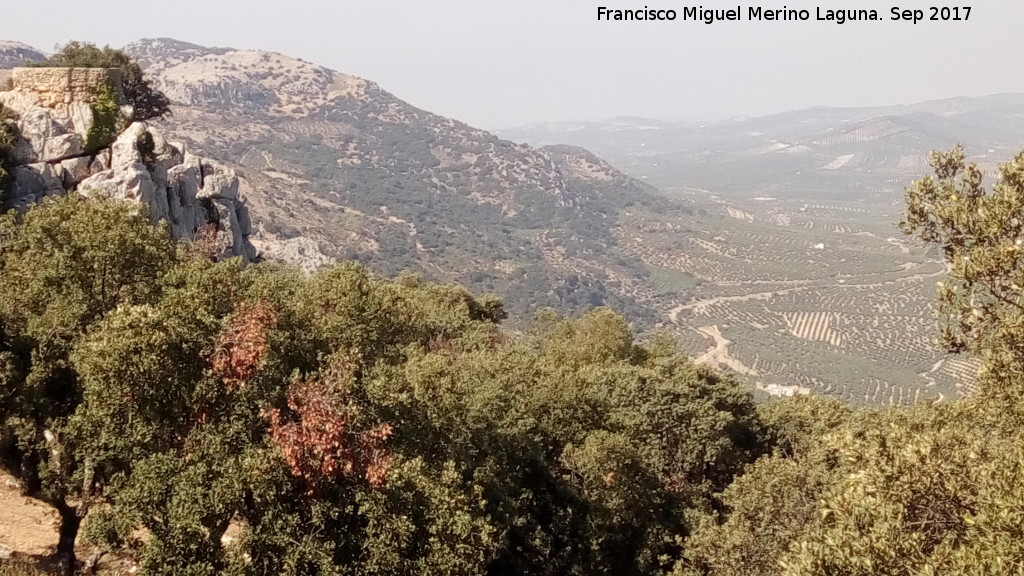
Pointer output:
x,y
8,132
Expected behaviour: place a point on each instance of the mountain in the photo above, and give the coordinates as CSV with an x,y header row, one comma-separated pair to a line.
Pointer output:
x,y
815,153
17,54
335,167
770,249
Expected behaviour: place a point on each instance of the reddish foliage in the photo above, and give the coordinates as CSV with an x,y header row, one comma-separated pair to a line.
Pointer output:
x,y
441,345
206,241
238,352
321,444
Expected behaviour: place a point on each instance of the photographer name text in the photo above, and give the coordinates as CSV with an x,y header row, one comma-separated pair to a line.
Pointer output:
x,y
785,14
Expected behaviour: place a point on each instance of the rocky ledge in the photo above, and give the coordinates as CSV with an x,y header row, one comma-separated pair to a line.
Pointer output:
x,y
74,136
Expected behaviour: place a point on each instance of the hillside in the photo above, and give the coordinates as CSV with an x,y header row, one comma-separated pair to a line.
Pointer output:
x,y
805,281
335,167
821,153
770,249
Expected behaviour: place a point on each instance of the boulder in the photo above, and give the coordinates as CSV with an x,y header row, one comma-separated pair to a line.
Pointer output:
x,y
101,161
229,235
165,151
39,123
75,170
302,251
35,126
125,150
183,182
222,186
131,182
61,147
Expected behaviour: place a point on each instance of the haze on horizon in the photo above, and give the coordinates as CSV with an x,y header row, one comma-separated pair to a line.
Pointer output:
x,y
497,65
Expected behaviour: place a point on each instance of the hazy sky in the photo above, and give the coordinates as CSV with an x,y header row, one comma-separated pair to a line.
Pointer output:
x,y
501,63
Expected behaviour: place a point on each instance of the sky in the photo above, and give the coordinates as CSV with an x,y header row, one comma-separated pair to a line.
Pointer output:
x,y
497,64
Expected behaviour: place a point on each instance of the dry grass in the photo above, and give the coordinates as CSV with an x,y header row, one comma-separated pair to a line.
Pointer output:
x,y
20,568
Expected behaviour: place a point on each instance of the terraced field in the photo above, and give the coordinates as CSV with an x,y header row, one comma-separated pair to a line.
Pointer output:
x,y
823,298
794,270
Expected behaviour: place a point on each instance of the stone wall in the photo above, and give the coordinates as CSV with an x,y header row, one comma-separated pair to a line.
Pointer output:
x,y
54,87
66,95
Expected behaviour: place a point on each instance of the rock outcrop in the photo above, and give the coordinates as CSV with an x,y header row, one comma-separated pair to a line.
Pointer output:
x,y
68,141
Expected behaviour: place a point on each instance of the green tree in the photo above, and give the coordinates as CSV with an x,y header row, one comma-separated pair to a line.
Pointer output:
x,y
933,490
61,273
340,423
981,235
776,500
147,102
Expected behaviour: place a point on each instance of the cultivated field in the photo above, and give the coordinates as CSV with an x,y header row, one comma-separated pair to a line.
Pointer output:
x,y
796,297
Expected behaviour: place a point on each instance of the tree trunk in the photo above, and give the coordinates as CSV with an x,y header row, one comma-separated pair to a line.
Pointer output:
x,y
69,524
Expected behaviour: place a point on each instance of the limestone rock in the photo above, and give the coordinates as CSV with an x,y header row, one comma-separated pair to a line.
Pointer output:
x,y
101,162
126,182
43,139
61,148
222,186
125,150
301,251
75,170
32,182
245,227
229,228
182,186
244,218
140,165
39,123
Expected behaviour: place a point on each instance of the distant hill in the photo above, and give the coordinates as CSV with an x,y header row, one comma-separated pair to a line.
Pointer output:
x,y
817,152
14,54
336,167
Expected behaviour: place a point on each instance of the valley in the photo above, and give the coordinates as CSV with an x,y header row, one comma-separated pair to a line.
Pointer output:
x,y
793,254
768,246
807,298
259,316
775,234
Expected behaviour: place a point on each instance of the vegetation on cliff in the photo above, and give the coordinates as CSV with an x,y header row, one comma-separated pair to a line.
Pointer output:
x,y
8,133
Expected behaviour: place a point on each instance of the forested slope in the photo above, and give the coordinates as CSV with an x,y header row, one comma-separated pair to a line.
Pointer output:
x,y
344,424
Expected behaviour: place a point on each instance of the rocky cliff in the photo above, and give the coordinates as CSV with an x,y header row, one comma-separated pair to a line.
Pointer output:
x,y
73,136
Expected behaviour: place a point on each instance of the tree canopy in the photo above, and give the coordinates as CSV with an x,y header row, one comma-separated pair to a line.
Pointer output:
x,y
207,417
341,423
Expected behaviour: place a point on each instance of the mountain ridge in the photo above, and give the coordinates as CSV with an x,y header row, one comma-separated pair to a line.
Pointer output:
x,y
1012,98
347,170
784,266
